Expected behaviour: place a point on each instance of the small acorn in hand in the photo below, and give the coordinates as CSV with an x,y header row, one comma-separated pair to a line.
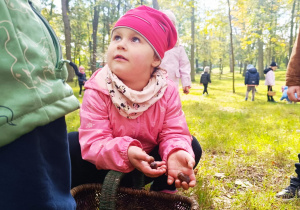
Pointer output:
x,y
183,177
153,165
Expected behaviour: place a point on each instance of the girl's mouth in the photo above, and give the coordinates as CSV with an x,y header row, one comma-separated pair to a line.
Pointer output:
x,y
120,57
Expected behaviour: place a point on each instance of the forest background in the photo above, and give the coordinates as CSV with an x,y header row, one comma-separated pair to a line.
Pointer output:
x,y
262,30
249,147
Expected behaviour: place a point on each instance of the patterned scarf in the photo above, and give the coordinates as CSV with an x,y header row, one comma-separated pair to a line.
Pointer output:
x,y
132,103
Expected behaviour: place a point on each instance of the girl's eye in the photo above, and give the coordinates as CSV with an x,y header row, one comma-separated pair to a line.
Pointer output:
x,y
135,39
117,38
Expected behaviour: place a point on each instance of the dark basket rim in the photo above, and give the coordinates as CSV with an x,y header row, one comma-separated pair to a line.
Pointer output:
x,y
166,196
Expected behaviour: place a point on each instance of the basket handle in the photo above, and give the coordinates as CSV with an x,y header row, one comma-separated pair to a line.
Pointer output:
x,y
110,187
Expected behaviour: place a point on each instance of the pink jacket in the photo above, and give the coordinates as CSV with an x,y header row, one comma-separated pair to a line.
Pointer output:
x,y
105,135
177,64
270,78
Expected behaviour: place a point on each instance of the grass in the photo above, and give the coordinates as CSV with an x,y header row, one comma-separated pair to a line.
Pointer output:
x,y
255,143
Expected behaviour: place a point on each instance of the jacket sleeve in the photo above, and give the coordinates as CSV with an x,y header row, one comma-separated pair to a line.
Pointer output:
x,y
98,145
293,69
246,77
184,68
201,78
257,78
209,78
175,134
75,69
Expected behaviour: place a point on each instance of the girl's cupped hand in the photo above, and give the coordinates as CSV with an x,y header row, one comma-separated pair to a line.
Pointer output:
x,y
141,161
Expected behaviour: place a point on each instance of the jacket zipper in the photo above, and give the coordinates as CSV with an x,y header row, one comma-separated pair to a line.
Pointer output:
x,y
52,34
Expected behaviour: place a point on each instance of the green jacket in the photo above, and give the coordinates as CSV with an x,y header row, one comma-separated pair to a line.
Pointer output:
x,y
33,91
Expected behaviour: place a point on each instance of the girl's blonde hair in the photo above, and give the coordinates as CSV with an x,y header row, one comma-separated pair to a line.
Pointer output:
x,y
206,69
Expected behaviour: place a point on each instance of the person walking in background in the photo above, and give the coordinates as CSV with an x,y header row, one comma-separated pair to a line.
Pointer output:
x,y
251,80
81,76
270,79
176,62
205,79
293,92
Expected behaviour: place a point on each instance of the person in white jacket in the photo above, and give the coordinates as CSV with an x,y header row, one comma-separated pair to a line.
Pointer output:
x,y
176,62
270,79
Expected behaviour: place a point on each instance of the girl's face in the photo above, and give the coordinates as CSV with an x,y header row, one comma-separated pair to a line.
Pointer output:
x,y
130,57
274,68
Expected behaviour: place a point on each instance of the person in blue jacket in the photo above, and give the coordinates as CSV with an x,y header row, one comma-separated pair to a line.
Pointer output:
x,y
251,80
81,76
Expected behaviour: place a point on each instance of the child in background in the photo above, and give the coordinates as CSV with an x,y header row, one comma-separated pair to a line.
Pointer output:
x,y
81,76
251,80
270,79
176,62
285,95
205,79
131,113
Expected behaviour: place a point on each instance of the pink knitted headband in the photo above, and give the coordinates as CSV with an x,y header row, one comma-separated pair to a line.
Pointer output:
x,y
153,25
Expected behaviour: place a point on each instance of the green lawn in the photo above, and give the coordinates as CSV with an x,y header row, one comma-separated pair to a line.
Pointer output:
x,y
253,143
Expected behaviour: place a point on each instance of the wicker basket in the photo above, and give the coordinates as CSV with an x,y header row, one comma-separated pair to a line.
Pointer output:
x,y
110,196
271,93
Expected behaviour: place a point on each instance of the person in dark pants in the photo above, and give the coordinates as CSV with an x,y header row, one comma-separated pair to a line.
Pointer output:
x,y
270,79
84,172
81,76
34,152
205,79
251,80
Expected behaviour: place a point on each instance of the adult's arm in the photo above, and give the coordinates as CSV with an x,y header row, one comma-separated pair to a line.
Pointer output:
x,y
75,69
293,69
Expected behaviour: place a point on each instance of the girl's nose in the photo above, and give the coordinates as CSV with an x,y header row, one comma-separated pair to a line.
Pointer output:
x,y
122,45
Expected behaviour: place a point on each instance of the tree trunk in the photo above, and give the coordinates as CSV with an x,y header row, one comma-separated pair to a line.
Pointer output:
x,y
90,42
51,9
221,69
260,57
241,66
94,35
292,30
193,42
155,4
231,47
245,68
260,43
67,27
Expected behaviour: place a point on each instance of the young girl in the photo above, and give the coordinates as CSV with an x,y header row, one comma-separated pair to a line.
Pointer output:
x,y
270,79
81,76
131,114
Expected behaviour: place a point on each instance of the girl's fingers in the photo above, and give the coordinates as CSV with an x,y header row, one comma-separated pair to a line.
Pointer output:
x,y
191,164
192,183
160,163
185,185
143,156
170,180
177,183
154,172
